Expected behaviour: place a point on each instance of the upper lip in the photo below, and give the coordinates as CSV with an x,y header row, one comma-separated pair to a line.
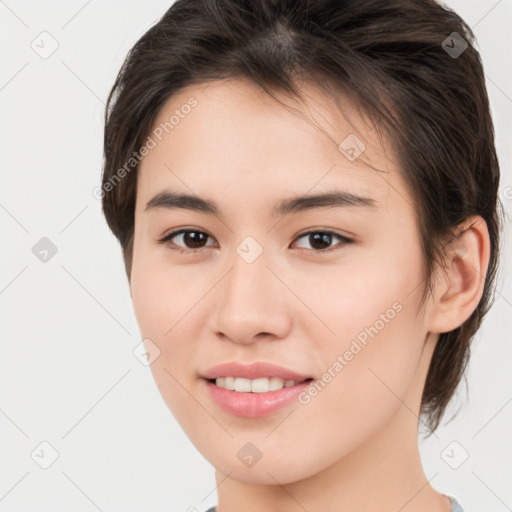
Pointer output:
x,y
253,370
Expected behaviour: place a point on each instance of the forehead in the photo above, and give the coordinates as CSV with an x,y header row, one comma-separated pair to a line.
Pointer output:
x,y
231,138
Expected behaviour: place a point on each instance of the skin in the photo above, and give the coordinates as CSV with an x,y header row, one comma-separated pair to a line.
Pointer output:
x,y
354,446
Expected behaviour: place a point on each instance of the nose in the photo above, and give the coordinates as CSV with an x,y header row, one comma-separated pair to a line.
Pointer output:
x,y
252,303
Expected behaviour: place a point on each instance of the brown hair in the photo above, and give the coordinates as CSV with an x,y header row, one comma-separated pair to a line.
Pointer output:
x,y
394,58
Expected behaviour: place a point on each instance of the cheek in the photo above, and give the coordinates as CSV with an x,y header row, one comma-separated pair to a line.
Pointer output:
x,y
160,305
377,364
350,297
370,358
158,293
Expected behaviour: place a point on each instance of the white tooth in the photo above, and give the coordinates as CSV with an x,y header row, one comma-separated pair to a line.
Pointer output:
x,y
229,383
260,385
276,383
243,385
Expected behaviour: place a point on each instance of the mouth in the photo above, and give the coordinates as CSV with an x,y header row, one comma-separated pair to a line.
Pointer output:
x,y
254,398
253,390
260,385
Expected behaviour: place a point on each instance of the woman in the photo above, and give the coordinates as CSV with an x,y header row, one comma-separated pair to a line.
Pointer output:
x,y
305,193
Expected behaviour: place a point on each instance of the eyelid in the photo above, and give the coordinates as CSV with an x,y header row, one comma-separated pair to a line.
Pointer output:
x,y
171,234
326,231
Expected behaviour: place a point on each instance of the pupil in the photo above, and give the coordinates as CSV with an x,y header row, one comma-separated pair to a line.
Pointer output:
x,y
193,237
318,237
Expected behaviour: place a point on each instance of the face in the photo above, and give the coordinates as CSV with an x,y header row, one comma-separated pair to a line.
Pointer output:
x,y
327,289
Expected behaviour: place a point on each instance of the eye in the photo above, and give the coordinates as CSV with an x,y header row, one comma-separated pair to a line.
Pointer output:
x,y
193,237
194,240
323,238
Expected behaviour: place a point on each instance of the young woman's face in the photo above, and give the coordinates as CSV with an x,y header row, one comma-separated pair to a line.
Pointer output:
x,y
255,283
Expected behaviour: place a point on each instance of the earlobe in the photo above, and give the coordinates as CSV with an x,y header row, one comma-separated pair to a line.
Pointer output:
x,y
460,290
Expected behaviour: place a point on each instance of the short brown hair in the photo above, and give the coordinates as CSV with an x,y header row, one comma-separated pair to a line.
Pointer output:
x,y
391,57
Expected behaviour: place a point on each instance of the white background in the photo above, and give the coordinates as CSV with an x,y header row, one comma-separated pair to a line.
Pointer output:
x,y
67,372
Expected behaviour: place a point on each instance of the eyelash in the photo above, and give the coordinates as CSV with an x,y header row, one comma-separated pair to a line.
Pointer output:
x,y
171,235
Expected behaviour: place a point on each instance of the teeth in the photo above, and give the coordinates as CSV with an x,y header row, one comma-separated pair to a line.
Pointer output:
x,y
262,385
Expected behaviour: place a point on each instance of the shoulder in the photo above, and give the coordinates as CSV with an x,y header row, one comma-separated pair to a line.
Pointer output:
x,y
455,505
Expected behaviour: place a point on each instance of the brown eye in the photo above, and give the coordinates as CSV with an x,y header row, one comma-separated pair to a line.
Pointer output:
x,y
190,239
321,240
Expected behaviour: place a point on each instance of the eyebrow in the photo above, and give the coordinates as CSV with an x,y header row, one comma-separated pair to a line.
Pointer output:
x,y
335,198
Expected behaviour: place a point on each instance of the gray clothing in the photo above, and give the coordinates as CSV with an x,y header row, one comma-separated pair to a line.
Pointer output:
x,y
455,506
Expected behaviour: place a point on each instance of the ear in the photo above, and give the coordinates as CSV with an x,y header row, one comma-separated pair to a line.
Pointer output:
x,y
461,282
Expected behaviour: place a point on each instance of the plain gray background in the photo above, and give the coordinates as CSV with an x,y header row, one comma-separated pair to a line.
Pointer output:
x,y
68,375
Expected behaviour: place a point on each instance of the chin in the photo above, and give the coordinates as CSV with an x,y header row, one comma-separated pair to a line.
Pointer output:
x,y
280,468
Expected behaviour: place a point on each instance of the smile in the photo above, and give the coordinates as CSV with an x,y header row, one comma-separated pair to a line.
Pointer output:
x,y
261,385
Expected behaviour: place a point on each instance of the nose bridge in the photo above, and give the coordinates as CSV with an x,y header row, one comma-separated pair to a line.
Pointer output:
x,y
248,282
251,296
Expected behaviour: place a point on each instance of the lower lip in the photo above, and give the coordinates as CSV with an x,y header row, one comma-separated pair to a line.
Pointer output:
x,y
253,405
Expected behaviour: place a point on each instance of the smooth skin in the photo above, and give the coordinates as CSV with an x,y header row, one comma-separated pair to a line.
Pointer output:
x,y
354,446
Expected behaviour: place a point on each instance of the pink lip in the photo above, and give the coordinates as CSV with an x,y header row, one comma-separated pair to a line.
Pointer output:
x,y
254,370
253,405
